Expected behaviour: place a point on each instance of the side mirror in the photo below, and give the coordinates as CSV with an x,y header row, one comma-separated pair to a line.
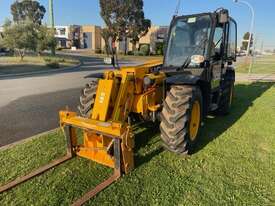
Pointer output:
x,y
223,16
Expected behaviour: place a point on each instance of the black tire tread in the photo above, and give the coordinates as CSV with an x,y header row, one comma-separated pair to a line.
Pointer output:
x,y
224,104
175,116
87,99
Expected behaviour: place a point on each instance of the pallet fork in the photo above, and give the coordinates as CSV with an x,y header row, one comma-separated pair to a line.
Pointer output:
x,y
71,153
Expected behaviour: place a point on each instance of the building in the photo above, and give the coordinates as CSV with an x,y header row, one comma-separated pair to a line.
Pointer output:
x,y
91,36
80,37
62,36
156,35
68,36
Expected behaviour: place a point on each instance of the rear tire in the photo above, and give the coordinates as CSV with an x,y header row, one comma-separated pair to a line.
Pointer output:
x,y
87,99
181,118
226,99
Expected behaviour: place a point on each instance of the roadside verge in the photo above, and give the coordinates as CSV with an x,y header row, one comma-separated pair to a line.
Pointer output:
x,y
48,71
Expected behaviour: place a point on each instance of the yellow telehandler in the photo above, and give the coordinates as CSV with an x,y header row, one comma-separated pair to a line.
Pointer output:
x,y
195,78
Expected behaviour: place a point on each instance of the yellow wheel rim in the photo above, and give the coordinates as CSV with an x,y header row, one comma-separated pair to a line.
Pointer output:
x,y
195,120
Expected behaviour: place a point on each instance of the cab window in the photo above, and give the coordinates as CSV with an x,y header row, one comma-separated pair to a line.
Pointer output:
x,y
217,41
232,40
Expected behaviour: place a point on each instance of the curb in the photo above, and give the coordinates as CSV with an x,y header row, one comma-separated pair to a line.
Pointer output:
x,y
40,72
5,147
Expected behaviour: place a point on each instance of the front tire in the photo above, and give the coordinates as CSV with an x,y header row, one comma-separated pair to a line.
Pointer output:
x,y
181,118
87,99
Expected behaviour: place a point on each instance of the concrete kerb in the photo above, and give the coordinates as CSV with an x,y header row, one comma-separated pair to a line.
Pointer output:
x,y
40,72
28,139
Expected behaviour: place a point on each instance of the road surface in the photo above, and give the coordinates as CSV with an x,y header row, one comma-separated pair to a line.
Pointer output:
x,y
30,105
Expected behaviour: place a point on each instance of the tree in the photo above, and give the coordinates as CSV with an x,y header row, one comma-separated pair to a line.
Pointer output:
x,y
138,26
106,36
114,18
45,39
26,31
1,41
20,37
124,19
27,10
245,41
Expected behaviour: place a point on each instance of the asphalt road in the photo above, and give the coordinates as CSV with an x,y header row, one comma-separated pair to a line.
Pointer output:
x,y
29,105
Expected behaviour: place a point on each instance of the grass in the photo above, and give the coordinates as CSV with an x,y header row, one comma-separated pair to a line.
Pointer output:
x,y
261,65
234,164
11,64
90,53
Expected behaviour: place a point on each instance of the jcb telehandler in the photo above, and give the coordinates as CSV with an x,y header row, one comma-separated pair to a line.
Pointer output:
x,y
195,78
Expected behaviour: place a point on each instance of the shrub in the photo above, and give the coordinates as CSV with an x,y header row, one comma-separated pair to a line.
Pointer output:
x,y
144,49
160,48
53,62
98,51
121,52
130,53
139,53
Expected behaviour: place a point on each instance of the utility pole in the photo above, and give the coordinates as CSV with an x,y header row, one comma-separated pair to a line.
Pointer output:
x,y
262,47
177,8
252,22
251,30
51,16
51,19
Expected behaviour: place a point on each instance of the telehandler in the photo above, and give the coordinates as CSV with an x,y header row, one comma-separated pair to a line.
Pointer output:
x,y
195,78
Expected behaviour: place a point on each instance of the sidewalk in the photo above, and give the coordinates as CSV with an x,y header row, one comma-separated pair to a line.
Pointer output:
x,y
255,77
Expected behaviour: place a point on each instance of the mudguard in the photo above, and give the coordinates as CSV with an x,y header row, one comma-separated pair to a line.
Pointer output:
x,y
182,79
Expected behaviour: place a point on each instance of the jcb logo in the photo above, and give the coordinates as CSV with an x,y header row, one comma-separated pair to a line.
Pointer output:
x,y
102,97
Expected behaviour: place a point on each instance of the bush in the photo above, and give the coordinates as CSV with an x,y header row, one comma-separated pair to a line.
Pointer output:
x,y
53,62
160,48
144,49
139,53
54,65
130,53
120,52
98,51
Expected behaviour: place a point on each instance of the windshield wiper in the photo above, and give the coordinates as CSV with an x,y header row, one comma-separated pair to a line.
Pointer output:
x,y
188,59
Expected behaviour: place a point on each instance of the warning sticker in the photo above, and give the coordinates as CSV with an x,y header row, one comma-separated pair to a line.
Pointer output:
x,y
192,20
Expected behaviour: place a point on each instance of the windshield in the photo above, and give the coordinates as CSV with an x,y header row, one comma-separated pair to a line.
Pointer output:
x,y
189,36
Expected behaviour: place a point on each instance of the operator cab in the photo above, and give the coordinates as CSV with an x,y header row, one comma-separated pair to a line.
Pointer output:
x,y
196,40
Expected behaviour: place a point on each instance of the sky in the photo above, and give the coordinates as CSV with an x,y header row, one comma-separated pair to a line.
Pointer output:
x,y
86,12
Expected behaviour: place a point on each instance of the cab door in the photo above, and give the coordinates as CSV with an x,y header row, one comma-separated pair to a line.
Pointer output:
x,y
216,57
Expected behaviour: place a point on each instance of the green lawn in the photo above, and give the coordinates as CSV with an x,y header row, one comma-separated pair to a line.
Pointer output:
x,y
234,164
90,53
13,65
261,65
